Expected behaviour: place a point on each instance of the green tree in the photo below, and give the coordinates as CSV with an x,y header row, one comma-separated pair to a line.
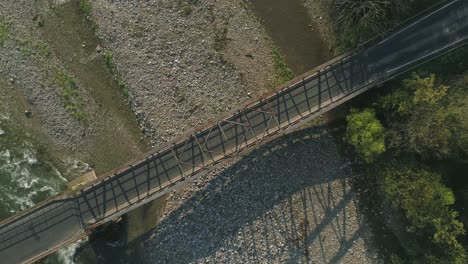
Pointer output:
x,y
426,202
415,92
365,132
420,120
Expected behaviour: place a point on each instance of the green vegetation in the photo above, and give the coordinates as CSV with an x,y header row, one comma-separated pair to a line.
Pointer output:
x,y
426,204
86,7
282,71
360,20
366,134
109,61
4,31
421,119
69,93
30,47
424,124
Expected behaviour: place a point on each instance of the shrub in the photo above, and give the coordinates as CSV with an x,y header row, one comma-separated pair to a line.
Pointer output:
x,y
86,7
119,81
69,93
4,31
366,134
282,71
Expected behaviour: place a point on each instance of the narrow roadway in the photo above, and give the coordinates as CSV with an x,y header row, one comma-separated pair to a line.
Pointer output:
x,y
62,220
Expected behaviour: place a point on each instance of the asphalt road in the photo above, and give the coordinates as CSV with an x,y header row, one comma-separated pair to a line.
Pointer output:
x,y
49,226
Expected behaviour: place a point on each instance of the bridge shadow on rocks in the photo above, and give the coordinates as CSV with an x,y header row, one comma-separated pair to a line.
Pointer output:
x,y
289,201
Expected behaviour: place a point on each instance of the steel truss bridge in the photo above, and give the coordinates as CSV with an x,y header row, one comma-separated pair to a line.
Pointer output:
x,y
62,220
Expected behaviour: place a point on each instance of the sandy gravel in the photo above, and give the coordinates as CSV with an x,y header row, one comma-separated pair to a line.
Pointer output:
x,y
185,68
28,70
288,202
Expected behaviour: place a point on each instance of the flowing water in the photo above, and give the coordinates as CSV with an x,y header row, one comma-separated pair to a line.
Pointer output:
x,y
25,180
27,175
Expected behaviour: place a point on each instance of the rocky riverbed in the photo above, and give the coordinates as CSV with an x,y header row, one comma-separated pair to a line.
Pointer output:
x,y
185,61
287,202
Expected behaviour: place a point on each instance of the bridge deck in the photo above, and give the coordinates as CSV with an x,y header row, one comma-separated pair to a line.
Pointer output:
x,y
45,228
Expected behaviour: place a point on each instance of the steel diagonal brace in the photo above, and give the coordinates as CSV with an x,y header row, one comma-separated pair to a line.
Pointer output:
x,y
294,103
235,123
211,151
343,62
328,84
201,150
273,114
158,175
265,131
104,196
135,182
226,154
179,157
184,147
113,195
123,191
178,162
148,175
97,203
88,204
249,125
205,140
78,207
306,95
238,147
319,88
164,167
338,82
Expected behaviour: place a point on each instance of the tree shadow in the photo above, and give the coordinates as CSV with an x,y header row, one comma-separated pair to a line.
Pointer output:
x,y
288,201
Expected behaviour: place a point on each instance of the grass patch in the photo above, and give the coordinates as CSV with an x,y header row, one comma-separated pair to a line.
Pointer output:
x,y
69,93
120,82
86,7
30,47
4,31
109,59
282,71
